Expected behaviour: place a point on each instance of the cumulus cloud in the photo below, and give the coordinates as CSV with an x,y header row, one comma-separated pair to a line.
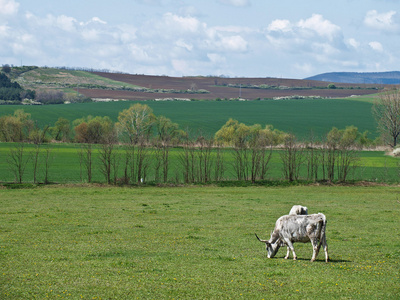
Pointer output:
x,y
386,21
353,43
233,43
8,7
280,25
66,23
314,34
320,26
376,46
179,23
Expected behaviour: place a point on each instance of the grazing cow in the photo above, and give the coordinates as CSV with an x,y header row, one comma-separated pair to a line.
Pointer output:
x,y
298,228
298,210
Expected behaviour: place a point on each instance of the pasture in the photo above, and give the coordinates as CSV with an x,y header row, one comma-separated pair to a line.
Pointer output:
x,y
300,117
65,166
194,243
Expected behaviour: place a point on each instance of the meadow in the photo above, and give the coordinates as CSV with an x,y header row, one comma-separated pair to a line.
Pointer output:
x,y
65,166
71,242
300,117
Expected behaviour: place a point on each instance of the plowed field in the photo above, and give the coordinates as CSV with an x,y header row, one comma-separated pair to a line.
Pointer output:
x,y
218,88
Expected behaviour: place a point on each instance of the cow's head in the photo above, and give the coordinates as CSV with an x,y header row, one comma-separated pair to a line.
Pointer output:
x,y
272,248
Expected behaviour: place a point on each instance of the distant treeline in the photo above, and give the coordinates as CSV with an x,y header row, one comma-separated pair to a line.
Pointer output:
x,y
12,92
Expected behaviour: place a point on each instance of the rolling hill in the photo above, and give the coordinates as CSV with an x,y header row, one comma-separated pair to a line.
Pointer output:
x,y
359,78
103,85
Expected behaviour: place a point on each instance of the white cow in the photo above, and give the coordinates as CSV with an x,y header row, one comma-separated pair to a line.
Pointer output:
x,y
298,228
298,210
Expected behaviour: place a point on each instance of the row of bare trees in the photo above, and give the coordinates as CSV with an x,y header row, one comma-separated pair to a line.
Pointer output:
x,y
330,160
205,159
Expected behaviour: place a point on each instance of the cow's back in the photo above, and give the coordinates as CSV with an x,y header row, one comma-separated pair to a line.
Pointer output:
x,y
297,228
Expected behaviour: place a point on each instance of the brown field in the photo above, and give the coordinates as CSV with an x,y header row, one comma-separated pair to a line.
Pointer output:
x,y
217,88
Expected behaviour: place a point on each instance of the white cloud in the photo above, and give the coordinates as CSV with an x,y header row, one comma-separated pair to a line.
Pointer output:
x,y
4,31
216,58
233,43
376,46
317,24
280,25
66,23
238,3
381,21
314,34
8,7
181,43
181,24
353,43
94,20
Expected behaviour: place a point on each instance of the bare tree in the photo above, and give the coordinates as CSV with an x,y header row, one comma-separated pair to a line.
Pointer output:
x,y
167,131
348,152
188,159
314,158
37,136
17,161
386,110
292,158
47,162
85,154
219,166
107,156
204,159
252,147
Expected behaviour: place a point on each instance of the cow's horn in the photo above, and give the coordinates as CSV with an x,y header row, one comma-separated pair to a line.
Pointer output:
x,y
264,241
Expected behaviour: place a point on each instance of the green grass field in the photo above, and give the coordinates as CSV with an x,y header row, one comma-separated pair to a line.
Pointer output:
x,y
373,166
194,243
300,117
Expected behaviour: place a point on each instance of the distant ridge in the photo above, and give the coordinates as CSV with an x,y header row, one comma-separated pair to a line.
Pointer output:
x,y
363,77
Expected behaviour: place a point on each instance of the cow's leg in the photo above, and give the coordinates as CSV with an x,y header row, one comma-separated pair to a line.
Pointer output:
x,y
312,235
290,246
287,253
325,246
314,242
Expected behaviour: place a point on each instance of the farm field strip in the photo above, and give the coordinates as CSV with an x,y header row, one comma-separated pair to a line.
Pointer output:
x,y
193,242
300,117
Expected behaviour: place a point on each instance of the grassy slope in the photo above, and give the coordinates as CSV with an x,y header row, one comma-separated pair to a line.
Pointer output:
x,y
195,243
55,78
297,116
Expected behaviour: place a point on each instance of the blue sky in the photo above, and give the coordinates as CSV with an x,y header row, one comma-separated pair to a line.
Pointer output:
x,y
251,38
